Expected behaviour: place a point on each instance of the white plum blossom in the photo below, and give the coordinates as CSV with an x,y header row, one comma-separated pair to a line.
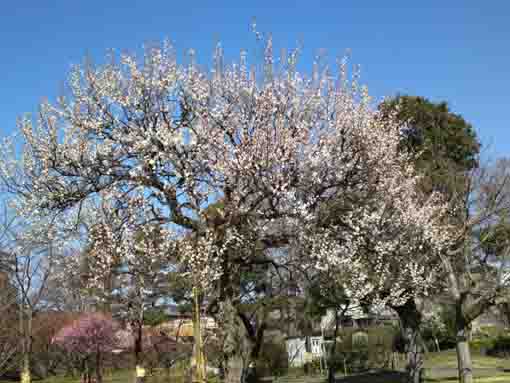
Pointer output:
x,y
158,143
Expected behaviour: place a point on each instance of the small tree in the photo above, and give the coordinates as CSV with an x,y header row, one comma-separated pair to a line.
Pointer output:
x,y
91,335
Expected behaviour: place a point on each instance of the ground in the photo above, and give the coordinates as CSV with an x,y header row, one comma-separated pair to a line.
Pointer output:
x,y
443,367
440,368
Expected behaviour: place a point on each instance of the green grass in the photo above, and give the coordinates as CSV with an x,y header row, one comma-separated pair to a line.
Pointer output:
x,y
449,359
490,379
118,377
440,368
123,376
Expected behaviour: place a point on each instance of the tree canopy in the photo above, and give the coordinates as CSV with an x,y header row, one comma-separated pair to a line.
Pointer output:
x,y
443,142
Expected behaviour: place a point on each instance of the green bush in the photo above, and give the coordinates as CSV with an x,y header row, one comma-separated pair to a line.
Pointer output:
x,y
361,353
272,360
315,366
354,361
447,338
489,332
500,346
439,326
482,345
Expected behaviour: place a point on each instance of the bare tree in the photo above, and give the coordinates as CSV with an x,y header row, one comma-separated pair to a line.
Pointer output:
x,y
27,258
9,344
477,265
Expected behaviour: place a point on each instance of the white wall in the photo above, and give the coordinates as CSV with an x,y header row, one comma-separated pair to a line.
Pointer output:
x,y
296,349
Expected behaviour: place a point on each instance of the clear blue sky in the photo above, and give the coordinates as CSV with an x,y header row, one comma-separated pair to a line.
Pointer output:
x,y
455,50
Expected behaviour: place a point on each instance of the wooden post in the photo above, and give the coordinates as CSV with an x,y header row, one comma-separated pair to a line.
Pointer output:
x,y
200,368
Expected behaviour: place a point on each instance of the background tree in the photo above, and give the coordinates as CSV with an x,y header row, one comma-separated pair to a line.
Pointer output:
x,y
449,159
9,339
10,346
48,359
133,271
444,143
445,149
28,254
91,335
476,267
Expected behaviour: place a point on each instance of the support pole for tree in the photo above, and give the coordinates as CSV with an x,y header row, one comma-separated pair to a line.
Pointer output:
x,y
139,369
26,316
200,373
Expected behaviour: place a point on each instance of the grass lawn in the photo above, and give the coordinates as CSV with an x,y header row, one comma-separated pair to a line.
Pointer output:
x,y
493,379
124,376
118,377
440,368
449,359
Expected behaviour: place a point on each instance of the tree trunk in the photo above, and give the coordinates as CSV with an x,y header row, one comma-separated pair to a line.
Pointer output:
x,y
138,351
99,375
438,349
25,373
237,345
86,373
235,369
410,319
254,354
414,355
463,353
331,356
200,368
26,330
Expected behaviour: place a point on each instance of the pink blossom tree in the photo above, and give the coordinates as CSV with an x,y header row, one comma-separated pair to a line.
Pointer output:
x,y
91,335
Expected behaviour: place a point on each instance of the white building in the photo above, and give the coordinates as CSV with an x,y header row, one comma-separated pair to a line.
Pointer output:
x,y
296,349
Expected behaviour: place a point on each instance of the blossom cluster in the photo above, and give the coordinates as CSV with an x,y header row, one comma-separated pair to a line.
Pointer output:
x,y
91,333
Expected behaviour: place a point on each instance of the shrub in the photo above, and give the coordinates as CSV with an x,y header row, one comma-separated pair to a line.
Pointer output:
x,y
439,326
482,345
354,361
447,338
362,352
273,359
500,346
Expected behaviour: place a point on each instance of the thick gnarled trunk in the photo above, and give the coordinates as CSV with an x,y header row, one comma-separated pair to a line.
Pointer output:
x,y
138,352
235,369
414,354
99,373
241,344
467,309
410,319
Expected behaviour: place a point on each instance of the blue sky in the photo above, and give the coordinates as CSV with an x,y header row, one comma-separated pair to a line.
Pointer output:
x,y
458,51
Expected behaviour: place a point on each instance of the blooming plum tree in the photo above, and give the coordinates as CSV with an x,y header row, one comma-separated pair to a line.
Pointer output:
x,y
160,142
